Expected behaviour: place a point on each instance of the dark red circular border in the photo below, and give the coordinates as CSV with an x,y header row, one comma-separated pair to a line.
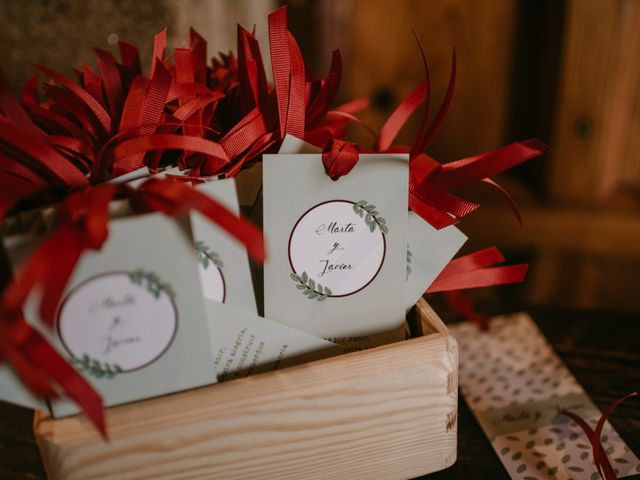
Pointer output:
x,y
224,285
384,244
106,274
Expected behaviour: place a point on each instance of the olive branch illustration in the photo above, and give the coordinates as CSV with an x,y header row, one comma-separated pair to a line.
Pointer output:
x,y
152,283
409,256
309,287
371,216
96,368
206,256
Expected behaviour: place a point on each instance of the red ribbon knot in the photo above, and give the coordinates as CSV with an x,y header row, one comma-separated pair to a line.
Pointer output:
x,y
339,157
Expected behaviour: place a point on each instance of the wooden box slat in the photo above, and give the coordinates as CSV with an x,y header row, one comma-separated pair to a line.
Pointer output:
x,y
384,413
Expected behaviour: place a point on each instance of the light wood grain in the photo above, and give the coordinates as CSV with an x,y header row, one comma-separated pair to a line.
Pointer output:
x,y
385,413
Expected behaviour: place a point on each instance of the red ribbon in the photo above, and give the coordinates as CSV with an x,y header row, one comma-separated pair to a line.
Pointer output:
x,y
173,197
90,127
471,271
83,218
288,75
430,181
42,369
338,158
463,306
599,455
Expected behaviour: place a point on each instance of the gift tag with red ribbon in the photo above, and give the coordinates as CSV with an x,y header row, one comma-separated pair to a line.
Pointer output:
x,y
337,265
128,316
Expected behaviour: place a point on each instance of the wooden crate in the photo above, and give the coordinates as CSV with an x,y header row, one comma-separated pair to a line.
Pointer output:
x,y
384,413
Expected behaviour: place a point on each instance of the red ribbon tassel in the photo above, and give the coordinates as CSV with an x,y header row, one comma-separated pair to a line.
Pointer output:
x,y
288,75
83,218
599,455
42,369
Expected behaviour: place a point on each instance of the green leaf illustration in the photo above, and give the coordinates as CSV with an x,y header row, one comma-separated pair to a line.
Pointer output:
x,y
206,256
309,287
152,282
95,368
371,216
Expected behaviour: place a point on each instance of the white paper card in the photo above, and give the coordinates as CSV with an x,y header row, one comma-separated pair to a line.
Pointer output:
x,y
245,343
337,263
428,251
223,261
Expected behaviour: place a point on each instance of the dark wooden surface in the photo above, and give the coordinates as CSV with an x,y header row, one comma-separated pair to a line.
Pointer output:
x,y
602,349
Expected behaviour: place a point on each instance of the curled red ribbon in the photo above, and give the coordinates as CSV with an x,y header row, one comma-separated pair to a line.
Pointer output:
x,y
600,458
211,120
463,306
475,270
472,271
43,370
83,226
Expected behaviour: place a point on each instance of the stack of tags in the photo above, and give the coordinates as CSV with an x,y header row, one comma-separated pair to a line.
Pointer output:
x,y
164,306
346,260
168,304
515,385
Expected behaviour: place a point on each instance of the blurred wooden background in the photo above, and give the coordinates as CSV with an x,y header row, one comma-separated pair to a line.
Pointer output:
x,y
565,71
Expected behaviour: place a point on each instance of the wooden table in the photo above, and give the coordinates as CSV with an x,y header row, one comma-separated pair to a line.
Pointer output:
x,y
602,350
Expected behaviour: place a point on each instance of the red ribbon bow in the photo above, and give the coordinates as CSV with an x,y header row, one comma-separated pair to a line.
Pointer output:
x,y
83,224
43,370
83,218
